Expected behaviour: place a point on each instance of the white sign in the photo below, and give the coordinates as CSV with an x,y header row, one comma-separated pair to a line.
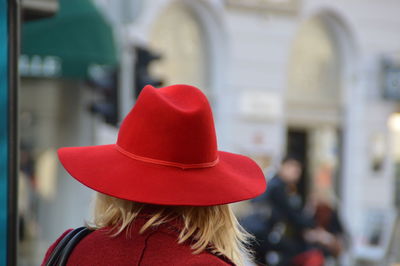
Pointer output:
x,y
260,105
276,6
39,66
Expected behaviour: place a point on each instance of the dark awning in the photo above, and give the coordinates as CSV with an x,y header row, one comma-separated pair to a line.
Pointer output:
x,y
67,44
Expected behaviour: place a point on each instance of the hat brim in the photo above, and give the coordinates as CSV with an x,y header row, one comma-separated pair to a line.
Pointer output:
x,y
106,170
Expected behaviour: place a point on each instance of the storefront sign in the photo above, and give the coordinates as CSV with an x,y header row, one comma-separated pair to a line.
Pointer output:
x,y
39,66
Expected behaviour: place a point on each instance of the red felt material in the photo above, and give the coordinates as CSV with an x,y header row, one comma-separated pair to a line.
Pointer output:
x,y
157,246
166,154
174,124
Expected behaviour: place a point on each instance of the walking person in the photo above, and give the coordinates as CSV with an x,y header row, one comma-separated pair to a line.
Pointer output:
x,y
162,190
280,239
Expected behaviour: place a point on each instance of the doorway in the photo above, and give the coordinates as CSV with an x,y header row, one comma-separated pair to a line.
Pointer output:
x,y
314,112
297,143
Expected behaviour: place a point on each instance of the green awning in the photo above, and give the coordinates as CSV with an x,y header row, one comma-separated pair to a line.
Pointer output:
x,y
76,38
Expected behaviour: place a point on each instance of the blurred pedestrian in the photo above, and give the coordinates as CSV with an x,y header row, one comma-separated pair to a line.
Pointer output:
x,y
281,238
329,234
163,189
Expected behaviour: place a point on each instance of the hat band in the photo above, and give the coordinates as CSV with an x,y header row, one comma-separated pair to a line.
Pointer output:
x,y
166,163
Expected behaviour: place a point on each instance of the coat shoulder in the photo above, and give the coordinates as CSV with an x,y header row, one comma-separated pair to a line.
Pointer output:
x,y
51,248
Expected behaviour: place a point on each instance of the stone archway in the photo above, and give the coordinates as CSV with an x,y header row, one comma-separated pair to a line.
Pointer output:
x,y
317,100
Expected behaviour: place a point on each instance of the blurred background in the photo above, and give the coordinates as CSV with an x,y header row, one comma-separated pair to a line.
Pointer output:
x,y
316,78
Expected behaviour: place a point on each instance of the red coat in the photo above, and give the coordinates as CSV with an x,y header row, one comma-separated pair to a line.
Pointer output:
x,y
153,247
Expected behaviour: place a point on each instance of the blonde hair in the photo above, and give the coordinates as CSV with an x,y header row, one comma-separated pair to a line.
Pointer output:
x,y
213,227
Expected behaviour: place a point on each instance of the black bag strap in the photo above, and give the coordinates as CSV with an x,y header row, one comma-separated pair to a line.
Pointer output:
x,y
71,245
60,246
59,250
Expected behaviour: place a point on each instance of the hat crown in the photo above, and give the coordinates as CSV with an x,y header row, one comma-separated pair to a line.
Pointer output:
x,y
171,124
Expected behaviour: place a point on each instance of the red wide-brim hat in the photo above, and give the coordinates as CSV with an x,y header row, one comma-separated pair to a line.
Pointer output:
x,y
166,154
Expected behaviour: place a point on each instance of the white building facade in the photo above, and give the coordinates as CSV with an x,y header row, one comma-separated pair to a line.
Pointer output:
x,y
275,70
282,76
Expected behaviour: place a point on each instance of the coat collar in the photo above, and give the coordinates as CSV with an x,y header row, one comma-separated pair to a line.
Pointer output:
x,y
172,227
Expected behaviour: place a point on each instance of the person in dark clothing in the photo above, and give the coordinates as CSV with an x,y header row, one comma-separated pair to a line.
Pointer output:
x,y
331,234
279,210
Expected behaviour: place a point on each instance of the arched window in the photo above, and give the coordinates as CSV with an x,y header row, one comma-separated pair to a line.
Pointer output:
x,y
314,78
313,105
178,36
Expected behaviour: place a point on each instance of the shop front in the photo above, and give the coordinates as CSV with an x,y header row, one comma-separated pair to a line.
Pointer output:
x,y
65,60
